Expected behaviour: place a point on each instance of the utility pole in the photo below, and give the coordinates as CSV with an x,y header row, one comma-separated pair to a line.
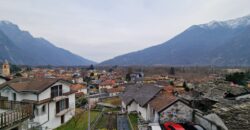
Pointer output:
x,y
88,107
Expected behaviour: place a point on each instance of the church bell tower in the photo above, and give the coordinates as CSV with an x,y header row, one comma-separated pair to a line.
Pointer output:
x,y
6,68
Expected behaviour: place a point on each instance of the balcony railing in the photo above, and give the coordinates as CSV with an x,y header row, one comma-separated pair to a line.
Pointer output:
x,y
15,112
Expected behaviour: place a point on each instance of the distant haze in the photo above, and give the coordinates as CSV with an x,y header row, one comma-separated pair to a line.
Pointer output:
x,y
103,29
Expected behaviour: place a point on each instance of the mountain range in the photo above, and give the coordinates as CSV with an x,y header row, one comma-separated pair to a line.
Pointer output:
x,y
20,47
219,43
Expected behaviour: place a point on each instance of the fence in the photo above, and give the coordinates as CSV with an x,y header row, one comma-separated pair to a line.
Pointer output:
x,y
15,112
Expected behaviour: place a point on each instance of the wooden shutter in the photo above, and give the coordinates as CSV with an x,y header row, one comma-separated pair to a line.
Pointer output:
x,y
67,103
56,91
57,107
60,90
52,92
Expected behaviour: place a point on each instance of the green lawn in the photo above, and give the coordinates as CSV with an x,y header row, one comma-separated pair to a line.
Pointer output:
x,y
112,110
107,121
134,120
80,121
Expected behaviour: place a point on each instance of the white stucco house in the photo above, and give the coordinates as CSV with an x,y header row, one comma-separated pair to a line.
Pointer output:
x,y
136,99
52,99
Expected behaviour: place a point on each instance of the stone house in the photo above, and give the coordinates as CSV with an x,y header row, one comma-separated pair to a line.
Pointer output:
x,y
166,107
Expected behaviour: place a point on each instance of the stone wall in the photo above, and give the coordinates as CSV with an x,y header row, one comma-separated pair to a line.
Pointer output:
x,y
178,112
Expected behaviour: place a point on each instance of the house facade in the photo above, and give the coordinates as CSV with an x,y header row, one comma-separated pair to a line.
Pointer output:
x,y
155,105
53,100
178,112
136,99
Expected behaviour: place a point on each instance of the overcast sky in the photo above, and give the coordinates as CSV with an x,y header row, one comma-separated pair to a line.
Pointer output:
x,y
102,29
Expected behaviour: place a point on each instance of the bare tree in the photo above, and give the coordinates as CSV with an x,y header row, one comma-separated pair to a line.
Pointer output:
x,y
76,117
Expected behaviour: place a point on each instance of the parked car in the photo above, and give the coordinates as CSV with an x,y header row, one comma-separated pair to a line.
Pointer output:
x,y
173,126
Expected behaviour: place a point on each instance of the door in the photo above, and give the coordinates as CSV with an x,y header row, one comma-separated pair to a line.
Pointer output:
x,y
62,119
14,96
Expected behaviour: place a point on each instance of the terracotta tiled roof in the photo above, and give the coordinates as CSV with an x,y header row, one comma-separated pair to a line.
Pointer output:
x,y
114,90
30,85
107,82
77,87
162,100
169,88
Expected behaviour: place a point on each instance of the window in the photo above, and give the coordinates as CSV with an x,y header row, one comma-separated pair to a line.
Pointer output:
x,y
56,91
14,96
43,108
61,105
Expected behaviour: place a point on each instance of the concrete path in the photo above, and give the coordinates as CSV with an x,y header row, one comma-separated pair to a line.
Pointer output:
x,y
122,122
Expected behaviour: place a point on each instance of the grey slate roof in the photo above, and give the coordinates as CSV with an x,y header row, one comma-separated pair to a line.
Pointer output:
x,y
236,115
129,93
146,93
141,94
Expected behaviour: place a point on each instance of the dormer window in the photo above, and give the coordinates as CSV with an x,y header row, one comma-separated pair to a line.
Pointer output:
x,y
56,91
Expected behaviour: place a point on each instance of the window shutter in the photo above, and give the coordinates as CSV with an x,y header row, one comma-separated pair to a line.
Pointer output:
x,y
60,90
67,102
52,92
56,91
57,107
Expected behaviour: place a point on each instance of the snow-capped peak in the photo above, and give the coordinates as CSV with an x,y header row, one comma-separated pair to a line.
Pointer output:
x,y
5,22
233,23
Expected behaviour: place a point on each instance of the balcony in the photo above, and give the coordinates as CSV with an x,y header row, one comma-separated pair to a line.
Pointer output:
x,y
12,113
58,98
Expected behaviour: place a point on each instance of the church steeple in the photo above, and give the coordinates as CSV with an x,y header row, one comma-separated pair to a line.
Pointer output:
x,y
6,68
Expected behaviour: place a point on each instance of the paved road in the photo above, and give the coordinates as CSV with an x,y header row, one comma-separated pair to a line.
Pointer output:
x,y
122,122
